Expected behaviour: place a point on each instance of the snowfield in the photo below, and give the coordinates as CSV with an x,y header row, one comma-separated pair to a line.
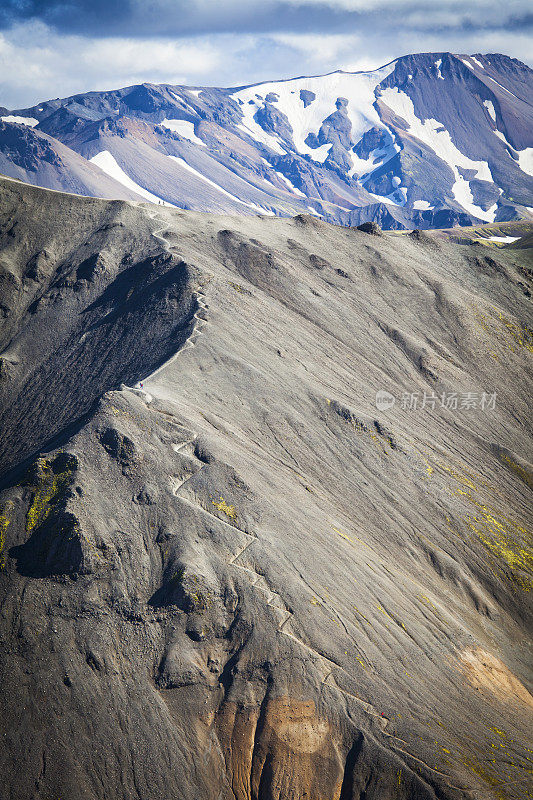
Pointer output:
x,y
432,133
184,128
525,160
525,157
107,163
504,239
290,184
356,87
490,108
30,121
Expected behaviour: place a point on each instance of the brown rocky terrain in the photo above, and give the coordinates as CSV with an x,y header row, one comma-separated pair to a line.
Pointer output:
x,y
245,581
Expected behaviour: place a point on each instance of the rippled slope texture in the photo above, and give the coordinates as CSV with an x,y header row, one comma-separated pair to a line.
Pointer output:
x,y
243,580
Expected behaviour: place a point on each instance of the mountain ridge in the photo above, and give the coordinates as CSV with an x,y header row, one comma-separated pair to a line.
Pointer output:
x,y
245,579
440,139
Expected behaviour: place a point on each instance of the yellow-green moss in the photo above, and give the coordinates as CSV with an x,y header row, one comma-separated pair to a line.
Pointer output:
x,y
506,540
237,287
49,486
459,477
522,473
510,333
4,522
228,510
522,335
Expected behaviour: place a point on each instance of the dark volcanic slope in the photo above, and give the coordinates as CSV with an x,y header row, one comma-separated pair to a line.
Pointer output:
x,y
88,298
245,582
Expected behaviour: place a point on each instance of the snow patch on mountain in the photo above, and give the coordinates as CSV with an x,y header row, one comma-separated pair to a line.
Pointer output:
x,y
253,129
463,195
184,128
107,163
469,65
30,121
505,239
181,100
502,87
361,167
289,183
422,205
502,136
432,133
524,158
438,64
396,198
490,108
193,171
358,88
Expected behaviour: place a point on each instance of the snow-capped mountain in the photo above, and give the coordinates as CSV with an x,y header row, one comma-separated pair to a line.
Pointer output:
x,y
429,140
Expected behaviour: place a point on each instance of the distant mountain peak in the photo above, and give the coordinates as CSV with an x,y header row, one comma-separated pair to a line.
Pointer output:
x,y
429,139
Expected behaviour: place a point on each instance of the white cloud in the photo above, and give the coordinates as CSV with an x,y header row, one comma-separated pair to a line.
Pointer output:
x,y
320,49
172,59
330,52
496,10
37,63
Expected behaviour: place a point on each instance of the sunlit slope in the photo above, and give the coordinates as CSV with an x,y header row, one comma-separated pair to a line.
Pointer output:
x,y
245,580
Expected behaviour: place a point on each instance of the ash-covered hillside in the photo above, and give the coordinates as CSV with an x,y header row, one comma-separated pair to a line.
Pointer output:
x,y
428,141
247,580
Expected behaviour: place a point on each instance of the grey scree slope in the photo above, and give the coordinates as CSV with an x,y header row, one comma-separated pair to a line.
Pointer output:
x,y
246,582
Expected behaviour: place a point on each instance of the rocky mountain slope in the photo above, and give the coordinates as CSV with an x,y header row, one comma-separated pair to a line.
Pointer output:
x,y
245,580
429,140
32,156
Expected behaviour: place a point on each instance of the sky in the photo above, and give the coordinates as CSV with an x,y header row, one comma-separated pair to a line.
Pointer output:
x,y
55,48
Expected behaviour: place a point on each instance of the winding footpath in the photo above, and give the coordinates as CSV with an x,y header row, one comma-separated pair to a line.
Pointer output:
x,y
276,602
199,317
273,598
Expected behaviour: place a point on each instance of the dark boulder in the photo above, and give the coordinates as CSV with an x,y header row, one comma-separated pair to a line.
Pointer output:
x,y
370,227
